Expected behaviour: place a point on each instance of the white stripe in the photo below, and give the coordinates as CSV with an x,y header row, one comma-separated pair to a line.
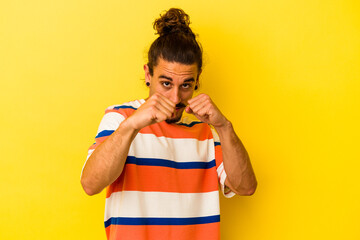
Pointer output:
x,y
110,121
175,149
89,154
222,177
135,104
219,170
215,135
159,204
221,174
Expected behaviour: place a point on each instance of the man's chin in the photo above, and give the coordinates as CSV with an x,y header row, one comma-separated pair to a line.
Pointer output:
x,y
176,116
172,120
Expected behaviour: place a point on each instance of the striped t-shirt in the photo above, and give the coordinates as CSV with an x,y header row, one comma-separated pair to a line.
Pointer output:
x,y
169,185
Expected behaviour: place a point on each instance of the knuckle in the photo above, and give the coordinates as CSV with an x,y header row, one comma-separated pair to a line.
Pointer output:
x,y
153,108
155,96
161,117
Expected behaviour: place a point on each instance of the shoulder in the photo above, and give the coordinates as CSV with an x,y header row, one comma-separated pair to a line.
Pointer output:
x,y
115,114
125,109
131,105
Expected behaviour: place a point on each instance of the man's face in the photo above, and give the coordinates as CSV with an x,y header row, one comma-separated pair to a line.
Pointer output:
x,y
176,81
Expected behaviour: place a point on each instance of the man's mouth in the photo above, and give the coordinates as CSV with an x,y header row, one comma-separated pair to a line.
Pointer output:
x,y
175,112
179,106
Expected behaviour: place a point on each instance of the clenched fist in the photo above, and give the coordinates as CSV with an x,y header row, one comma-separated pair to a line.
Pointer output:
x,y
157,108
206,111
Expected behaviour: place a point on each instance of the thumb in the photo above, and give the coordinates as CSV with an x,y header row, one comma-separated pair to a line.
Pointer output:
x,y
188,109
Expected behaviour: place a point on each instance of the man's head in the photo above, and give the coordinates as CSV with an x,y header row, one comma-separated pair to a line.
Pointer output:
x,y
174,60
176,81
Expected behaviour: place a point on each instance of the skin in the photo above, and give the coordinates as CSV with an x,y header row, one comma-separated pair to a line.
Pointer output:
x,y
170,93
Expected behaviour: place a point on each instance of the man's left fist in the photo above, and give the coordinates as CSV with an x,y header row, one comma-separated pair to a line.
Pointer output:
x,y
206,111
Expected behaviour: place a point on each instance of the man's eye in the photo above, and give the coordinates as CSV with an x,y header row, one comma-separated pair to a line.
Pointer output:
x,y
186,85
166,84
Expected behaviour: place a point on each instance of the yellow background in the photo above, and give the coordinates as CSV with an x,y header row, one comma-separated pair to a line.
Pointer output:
x,y
285,72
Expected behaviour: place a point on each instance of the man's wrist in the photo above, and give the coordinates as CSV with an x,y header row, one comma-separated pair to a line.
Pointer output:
x,y
224,127
128,126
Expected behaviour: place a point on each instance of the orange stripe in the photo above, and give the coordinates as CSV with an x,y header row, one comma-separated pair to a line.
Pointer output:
x,y
93,146
218,155
209,231
97,142
164,179
200,131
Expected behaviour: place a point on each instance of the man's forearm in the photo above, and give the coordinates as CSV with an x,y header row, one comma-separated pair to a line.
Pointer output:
x,y
240,175
107,161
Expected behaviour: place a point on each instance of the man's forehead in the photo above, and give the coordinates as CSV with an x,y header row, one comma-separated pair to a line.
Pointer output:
x,y
175,68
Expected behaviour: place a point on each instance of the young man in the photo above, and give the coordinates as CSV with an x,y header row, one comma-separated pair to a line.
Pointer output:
x,y
162,171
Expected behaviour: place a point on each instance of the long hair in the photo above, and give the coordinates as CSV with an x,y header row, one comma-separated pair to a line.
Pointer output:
x,y
176,41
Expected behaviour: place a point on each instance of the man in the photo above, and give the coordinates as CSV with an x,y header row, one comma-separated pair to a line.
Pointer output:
x,y
161,170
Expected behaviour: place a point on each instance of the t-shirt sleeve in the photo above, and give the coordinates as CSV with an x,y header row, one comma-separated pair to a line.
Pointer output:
x,y
220,166
109,123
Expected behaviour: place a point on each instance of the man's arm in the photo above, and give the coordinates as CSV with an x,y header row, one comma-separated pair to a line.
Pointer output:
x,y
240,175
107,161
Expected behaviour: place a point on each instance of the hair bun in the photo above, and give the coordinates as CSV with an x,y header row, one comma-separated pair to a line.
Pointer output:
x,y
175,20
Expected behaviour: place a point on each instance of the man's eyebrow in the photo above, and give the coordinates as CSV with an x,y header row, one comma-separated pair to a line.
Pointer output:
x,y
190,80
170,79
166,77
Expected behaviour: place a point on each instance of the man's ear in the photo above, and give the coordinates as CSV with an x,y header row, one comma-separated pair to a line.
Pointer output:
x,y
199,74
147,73
197,82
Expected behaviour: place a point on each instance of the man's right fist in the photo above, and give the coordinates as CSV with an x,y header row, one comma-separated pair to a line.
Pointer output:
x,y
156,108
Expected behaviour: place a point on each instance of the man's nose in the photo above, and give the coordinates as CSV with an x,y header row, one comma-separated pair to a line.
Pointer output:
x,y
175,96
